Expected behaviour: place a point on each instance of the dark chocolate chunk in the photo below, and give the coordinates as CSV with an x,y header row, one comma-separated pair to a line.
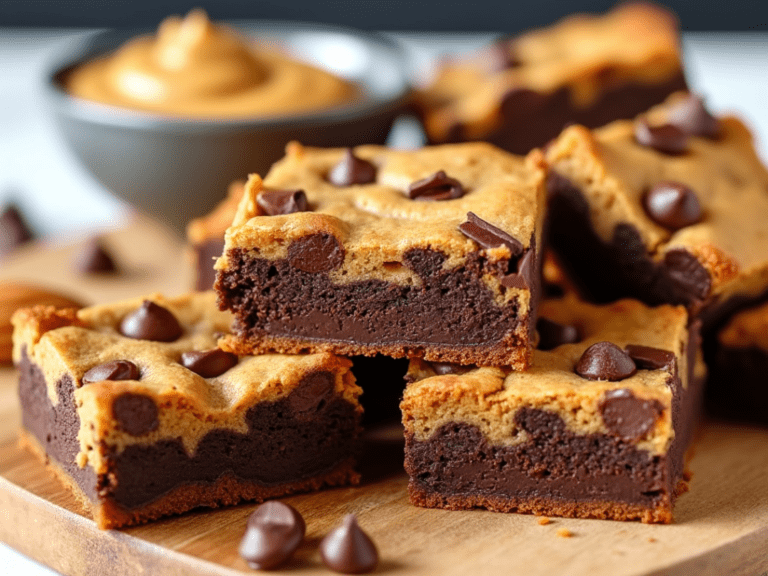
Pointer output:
x,y
666,138
151,322
316,253
605,361
628,416
13,230
313,393
273,533
523,278
209,363
488,235
672,205
649,358
692,117
352,170
439,186
443,368
687,273
349,550
94,258
115,370
277,202
553,334
136,414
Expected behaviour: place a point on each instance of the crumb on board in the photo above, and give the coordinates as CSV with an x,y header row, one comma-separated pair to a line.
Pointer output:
x,y
544,520
651,539
564,533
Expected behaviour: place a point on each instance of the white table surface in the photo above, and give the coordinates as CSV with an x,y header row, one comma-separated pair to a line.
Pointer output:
x,y
60,199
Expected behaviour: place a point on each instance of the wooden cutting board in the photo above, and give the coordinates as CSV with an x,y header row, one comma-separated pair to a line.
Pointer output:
x,y
721,528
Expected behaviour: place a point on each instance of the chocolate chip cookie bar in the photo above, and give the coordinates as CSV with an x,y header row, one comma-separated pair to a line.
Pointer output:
x,y
521,92
205,236
432,253
737,387
668,208
598,427
136,409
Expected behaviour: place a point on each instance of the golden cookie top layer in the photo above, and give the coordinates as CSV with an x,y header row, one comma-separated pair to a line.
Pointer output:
x,y
587,54
212,226
489,397
616,174
747,329
377,222
72,343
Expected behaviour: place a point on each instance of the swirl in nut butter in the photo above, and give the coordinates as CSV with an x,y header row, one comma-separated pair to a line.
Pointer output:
x,y
193,68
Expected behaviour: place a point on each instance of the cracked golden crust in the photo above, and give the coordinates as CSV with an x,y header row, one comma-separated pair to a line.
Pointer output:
x,y
69,343
489,397
613,172
377,223
587,54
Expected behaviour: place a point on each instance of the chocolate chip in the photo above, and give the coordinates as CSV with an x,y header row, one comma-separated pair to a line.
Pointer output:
x,y
313,390
523,278
605,361
151,322
94,258
352,170
692,117
488,235
444,368
648,358
439,186
553,334
666,138
13,230
349,550
209,363
273,533
277,202
316,253
136,414
627,416
672,205
115,370
686,271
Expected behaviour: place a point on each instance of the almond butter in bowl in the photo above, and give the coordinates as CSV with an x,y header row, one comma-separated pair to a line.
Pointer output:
x,y
15,295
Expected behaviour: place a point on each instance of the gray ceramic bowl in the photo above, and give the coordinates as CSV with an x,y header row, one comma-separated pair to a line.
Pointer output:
x,y
177,169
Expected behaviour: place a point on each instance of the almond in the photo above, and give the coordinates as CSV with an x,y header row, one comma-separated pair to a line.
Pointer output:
x,y
14,295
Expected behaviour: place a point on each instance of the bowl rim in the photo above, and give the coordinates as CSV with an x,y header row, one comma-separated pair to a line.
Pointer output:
x,y
91,44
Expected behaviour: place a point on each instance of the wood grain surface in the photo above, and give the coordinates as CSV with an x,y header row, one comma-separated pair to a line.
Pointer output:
x,y
721,527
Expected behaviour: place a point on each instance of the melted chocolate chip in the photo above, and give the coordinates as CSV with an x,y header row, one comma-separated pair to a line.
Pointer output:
x,y
94,258
352,170
439,186
488,235
13,230
444,368
648,358
278,202
209,363
273,533
686,271
136,414
316,253
605,361
672,205
151,322
666,138
349,550
552,334
315,389
628,416
115,370
523,278
692,117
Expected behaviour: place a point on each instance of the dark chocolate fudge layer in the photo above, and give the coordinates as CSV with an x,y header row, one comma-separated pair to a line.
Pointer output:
x,y
597,428
141,428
